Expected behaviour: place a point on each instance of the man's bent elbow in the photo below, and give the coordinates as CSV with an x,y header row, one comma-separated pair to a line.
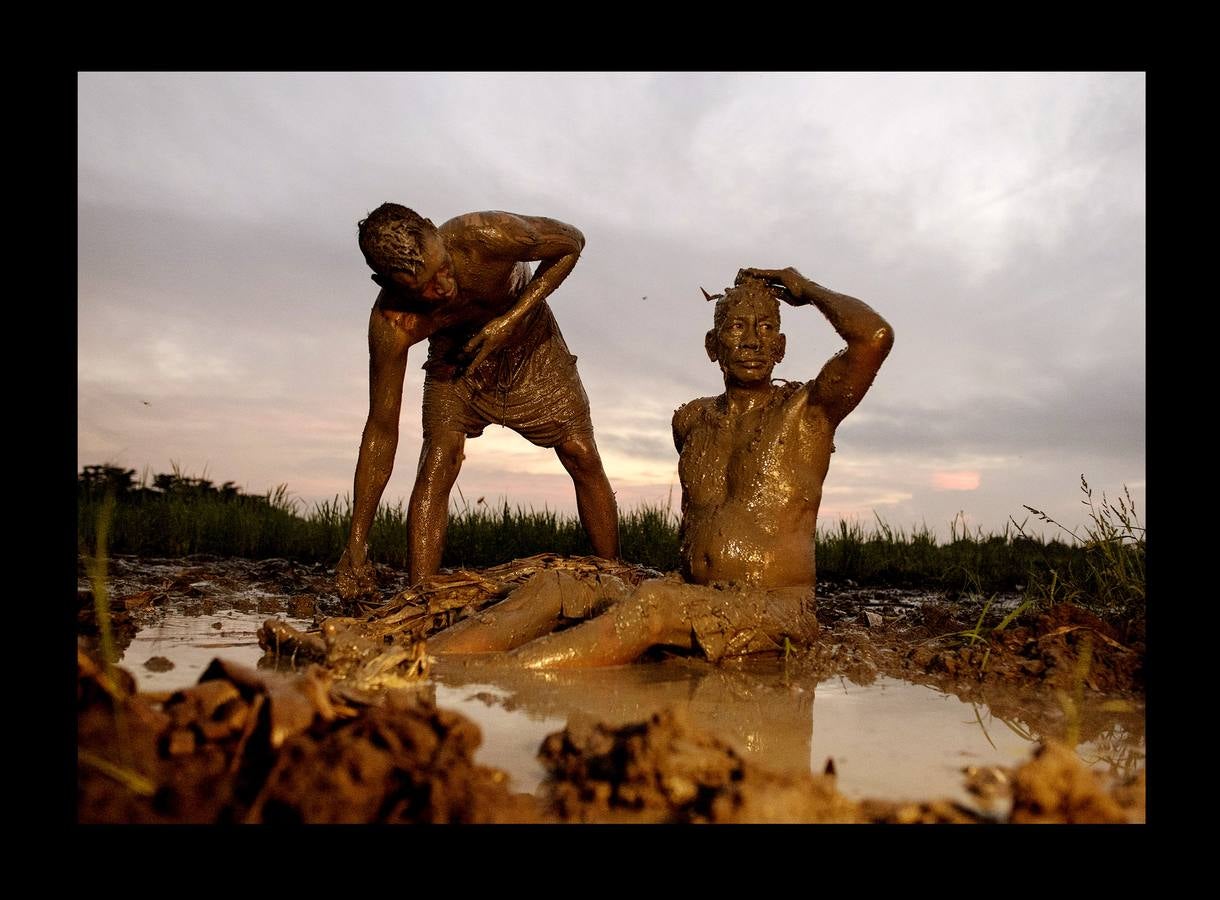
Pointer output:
x,y
883,340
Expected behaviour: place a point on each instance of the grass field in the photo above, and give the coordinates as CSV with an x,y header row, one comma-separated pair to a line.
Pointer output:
x,y
180,516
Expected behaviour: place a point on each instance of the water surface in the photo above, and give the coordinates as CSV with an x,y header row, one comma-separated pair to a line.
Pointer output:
x,y
888,739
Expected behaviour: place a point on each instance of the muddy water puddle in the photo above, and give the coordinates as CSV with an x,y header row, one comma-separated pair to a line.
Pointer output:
x,y
887,738
172,651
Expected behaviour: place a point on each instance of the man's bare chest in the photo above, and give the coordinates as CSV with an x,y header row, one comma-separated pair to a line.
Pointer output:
x,y
752,456
491,285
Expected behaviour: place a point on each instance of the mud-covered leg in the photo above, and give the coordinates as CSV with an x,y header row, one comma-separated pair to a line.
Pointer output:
x,y
594,499
440,460
654,614
532,610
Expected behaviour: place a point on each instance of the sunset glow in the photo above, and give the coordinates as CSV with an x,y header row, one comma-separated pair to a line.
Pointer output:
x,y
956,481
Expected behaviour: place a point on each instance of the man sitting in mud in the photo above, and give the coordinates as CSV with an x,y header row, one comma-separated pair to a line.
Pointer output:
x,y
751,462
495,355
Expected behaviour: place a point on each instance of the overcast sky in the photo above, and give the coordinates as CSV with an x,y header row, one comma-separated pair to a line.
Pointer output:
x,y
997,221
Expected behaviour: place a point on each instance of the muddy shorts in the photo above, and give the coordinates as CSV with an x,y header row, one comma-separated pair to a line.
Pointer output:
x,y
739,621
530,386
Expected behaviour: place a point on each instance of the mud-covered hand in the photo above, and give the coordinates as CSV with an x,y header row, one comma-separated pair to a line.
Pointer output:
x,y
490,338
792,281
354,579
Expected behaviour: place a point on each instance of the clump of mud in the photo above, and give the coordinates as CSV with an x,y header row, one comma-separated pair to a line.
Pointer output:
x,y
666,770
1055,787
244,746
889,632
388,765
1063,647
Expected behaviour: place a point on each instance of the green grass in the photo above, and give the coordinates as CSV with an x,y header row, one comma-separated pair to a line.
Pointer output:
x,y
147,523
893,556
1103,569
1107,574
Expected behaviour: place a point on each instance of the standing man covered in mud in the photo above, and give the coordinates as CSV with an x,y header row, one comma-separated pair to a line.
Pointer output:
x,y
495,355
751,461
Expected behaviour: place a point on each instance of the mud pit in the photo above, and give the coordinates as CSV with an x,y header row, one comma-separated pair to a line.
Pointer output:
x,y
912,726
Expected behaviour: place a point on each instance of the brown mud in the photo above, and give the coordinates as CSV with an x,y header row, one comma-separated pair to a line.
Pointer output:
x,y
932,640
244,746
353,734
138,589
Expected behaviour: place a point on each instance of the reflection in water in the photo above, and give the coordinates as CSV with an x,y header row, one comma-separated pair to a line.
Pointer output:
x,y
888,739
1108,734
1118,751
765,717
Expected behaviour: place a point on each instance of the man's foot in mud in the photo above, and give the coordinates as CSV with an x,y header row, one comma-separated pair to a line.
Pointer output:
x,y
353,581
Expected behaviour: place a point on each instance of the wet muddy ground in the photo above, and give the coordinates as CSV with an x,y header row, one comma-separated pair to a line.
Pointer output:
x,y
896,715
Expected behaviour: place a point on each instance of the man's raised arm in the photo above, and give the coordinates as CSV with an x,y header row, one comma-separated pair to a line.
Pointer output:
x,y
844,380
523,239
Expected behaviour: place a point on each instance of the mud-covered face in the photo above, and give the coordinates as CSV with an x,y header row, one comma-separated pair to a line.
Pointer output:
x,y
434,280
747,343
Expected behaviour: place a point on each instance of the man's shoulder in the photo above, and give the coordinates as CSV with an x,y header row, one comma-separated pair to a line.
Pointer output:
x,y
796,397
794,401
787,390
686,415
480,217
488,223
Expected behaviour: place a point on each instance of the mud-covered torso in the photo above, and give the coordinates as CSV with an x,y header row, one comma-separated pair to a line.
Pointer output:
x,y
490,280
489,288
751,486
501,368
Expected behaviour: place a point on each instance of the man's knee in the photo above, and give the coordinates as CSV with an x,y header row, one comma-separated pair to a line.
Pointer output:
x,y
441,455
579,456
646,613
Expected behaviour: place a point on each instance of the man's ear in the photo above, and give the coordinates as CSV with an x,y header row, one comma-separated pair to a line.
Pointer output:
x,y
781,347
709,344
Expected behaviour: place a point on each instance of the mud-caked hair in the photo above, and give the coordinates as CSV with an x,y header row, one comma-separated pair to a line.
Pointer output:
x,y
392,238
747,289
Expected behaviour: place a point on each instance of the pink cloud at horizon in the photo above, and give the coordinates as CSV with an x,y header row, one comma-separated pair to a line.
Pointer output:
x,y
967,480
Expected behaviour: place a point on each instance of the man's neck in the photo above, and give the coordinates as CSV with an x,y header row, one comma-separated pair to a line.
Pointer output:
x,y
741,398
397,300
